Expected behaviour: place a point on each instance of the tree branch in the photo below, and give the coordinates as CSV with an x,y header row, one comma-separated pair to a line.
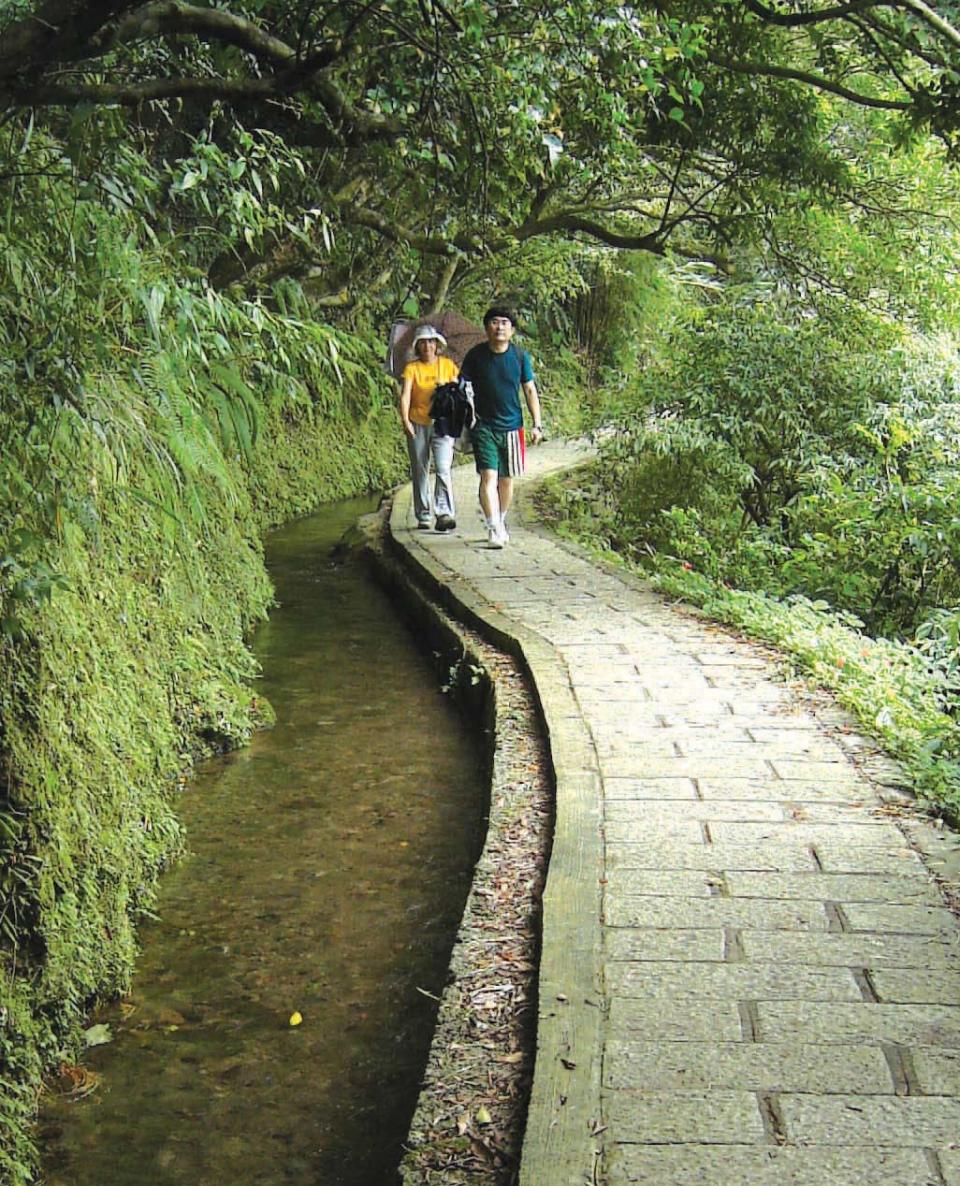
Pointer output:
x,y
920,10
211,24
761,69
59,31
134,94
398,233
794,19
577,223
926,14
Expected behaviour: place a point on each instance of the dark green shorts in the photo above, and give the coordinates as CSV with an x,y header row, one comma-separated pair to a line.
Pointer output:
x,y
501,451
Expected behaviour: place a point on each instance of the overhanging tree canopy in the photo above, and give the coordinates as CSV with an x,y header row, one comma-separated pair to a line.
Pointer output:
x,y
462,128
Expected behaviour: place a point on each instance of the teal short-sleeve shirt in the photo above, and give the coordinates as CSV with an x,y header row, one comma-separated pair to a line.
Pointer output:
x,y
496,380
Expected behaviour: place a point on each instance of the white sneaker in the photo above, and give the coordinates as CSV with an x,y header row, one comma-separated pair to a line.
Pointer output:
x,y
495,537
504,534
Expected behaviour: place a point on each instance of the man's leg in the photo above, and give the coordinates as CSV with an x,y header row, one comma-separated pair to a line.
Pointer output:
x,y
490,495
505,494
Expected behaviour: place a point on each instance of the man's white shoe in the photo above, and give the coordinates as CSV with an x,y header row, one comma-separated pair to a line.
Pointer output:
x,y
495,537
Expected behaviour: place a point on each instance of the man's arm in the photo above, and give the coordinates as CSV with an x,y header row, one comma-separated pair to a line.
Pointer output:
x,y
533,404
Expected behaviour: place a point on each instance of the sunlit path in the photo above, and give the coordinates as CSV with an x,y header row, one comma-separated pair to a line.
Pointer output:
x,y
749,976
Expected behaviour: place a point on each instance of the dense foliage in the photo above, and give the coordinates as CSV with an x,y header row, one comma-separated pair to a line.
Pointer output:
x,y
152,428
209,214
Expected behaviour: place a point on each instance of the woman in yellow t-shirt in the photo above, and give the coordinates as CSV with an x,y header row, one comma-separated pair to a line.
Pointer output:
x,y
420,379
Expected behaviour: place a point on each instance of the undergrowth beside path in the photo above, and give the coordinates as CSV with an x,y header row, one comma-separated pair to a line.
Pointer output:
x,y
126,666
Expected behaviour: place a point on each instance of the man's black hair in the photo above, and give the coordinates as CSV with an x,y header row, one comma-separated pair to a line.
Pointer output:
x,y
499,311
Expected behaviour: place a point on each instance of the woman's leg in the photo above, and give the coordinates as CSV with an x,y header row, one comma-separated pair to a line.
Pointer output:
x,y
443,483
418,448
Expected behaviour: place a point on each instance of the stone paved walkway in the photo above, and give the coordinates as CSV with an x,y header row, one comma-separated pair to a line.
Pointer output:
x,y
749,976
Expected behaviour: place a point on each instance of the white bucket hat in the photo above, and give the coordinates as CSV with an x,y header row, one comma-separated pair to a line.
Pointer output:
x,y
425,332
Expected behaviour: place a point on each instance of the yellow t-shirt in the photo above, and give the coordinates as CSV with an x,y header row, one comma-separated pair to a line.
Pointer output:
x,y
427,376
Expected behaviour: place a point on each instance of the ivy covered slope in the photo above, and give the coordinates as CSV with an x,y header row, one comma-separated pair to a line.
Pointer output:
x,y
151,428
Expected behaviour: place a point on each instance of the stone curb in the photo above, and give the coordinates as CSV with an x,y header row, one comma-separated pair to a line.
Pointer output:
x,y
560,1146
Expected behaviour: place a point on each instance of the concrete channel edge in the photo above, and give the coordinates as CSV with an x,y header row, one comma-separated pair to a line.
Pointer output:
x,y
560,1145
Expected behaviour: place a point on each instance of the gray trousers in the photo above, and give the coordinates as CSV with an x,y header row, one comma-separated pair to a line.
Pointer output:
x,y
422,447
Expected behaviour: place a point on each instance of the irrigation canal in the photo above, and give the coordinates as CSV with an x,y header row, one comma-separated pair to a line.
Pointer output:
x,y
327,870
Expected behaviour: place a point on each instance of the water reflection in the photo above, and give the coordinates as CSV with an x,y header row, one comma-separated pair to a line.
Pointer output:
x,y
328,869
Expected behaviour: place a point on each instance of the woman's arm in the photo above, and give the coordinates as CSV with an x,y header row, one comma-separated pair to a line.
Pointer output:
x,y
405,393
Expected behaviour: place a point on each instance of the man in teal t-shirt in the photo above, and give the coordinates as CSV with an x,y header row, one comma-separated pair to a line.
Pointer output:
x,y
498,370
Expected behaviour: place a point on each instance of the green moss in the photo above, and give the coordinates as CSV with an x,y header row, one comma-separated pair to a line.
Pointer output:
x,y
135,666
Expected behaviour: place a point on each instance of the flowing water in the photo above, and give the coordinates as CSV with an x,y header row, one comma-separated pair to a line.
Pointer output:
x,y
328,867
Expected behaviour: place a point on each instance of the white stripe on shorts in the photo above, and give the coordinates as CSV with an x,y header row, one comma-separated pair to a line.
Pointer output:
x,y
515,453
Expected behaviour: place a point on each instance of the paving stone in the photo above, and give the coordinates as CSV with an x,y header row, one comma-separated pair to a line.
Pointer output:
x,y
898,1025
788,718
796,791
937,1071
698,737
683,768
907,987
868,1120
650,831
738,1165
911,920
730,981
660,882
603,715
835,887
836,771
715,809
679,679
613,697
803,733
676,854
851,951
718,748
853,813
717,720
625,943
649,788
716,912
896,857
658,1117
615,652
636,752
671,1021
614,675
950,1161
746,1066
872,833
758,699
717,659
672,696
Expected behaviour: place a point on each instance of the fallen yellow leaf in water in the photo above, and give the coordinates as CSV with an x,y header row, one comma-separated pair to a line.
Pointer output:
x,y
296,1018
